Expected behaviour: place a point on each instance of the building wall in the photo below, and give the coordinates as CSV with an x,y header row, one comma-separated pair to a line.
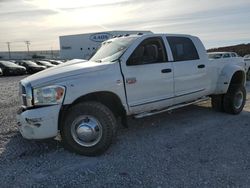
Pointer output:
x,y
82,46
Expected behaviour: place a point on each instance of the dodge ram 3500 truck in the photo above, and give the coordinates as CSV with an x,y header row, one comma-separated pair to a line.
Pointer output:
x,y
132,75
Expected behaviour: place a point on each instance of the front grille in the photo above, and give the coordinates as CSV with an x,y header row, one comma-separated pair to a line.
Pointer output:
x,y
24,101
26,94
23,89
23,95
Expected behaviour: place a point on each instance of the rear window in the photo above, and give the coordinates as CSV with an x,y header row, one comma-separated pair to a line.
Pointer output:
x,y
183,48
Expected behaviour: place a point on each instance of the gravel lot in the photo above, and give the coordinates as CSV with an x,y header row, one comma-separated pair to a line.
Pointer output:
x,y
190,147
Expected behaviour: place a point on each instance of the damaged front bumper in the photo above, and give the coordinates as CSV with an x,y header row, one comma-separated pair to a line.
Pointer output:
x,y
38,123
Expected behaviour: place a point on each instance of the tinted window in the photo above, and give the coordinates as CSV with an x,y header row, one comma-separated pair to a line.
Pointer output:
x,y
150,51
226,56
183,48
233,55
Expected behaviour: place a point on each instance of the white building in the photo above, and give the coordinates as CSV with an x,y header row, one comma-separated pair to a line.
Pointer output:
x,y
82,46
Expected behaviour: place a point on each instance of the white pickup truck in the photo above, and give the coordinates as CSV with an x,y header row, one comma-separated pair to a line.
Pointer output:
x,y
132,75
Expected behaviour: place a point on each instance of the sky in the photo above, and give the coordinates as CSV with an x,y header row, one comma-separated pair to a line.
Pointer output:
x,y
215,22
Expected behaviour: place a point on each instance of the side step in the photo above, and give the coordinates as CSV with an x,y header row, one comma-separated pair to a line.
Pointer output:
x,y
145,114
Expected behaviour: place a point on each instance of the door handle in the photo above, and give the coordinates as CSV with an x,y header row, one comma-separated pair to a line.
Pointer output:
x,y
201,66
166,70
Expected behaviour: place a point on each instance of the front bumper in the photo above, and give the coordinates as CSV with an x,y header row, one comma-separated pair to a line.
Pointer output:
x,y
39,123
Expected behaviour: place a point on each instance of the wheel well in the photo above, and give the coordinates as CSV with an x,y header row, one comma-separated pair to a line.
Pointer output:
x,y
238,78
109,99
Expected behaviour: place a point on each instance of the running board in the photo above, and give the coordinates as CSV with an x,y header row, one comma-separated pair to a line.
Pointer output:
x,y
145,114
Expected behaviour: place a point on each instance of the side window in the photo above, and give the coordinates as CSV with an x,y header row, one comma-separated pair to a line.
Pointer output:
x,y
226,55
151,50
233,55
183,49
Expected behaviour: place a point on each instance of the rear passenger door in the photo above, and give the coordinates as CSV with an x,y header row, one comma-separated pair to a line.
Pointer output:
x,y
189,70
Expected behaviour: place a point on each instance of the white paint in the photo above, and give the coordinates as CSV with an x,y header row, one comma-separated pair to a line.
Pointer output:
x,y
146,94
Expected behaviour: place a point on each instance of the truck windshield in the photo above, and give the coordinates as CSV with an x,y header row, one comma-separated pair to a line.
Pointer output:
x,y
111,50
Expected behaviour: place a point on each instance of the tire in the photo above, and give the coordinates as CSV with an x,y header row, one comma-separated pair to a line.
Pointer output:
x,y
88,129
248,75
235,99
217,103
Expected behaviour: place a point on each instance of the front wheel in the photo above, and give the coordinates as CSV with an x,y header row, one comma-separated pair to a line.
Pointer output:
x,y
88,129
235,99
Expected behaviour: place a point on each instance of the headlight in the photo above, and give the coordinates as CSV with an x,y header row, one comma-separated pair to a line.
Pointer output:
x,y
48,95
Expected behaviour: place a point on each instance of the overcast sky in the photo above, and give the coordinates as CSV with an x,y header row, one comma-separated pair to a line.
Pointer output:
x,y
216,22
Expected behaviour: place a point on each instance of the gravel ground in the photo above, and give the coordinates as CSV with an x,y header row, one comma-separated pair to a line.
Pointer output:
x,y
190,147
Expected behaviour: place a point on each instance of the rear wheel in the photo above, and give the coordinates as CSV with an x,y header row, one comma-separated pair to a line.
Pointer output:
x,y
88,129
234,99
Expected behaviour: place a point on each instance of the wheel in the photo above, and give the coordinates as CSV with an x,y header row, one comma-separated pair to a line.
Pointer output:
x,y
235,99
217,102
248,74
88,129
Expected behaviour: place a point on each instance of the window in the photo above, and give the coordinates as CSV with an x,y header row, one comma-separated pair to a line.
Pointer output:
x,y
233,55
226,55
183,49
151,50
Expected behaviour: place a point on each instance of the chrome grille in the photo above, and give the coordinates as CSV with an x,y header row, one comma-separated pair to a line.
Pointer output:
x,y
22,93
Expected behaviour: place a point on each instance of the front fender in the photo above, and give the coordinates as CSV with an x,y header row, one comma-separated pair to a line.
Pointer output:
x,y
226,76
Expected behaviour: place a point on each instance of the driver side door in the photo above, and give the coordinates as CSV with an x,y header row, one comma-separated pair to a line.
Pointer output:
x,y
148,77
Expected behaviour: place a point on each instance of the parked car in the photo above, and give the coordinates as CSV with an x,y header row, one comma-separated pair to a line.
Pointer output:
x,y
9,68
247,61
55,62
247,56
45,63
219,55
227,57
1,72
136,75
31,66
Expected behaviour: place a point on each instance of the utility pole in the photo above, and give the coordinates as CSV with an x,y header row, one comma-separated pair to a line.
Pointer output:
x,y
51,52
27,44
8,43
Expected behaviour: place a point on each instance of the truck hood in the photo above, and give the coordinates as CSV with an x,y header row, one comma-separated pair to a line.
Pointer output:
x,y
64,71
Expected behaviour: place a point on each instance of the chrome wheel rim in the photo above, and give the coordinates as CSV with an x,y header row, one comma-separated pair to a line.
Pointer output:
x,y
86,131
238,100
